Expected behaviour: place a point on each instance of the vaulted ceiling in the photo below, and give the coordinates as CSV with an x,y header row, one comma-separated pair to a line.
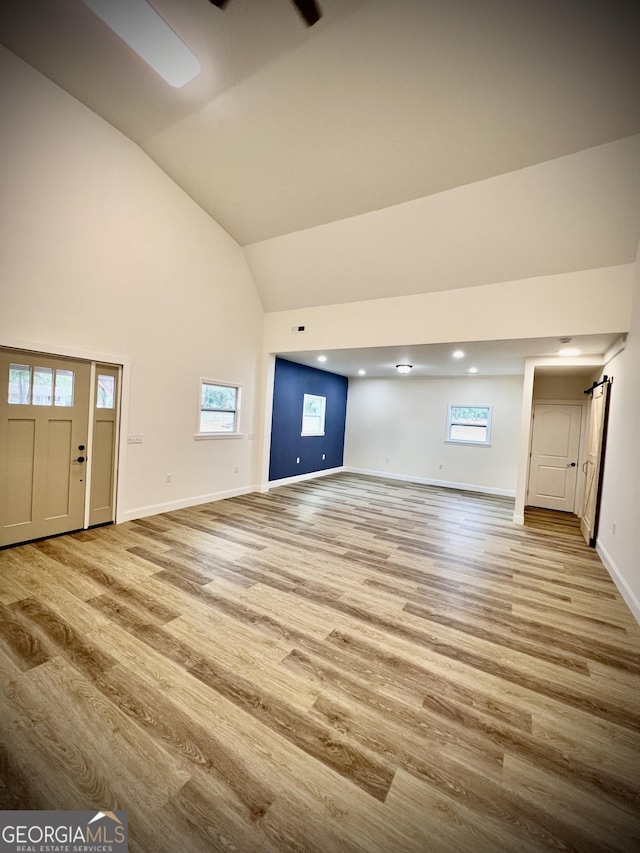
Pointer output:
x,y
379,106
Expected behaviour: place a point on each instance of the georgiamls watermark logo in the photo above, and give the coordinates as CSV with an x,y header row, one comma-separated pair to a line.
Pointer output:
x,y
63,832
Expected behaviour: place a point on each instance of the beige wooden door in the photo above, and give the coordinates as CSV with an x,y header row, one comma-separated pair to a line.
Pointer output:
x,y
44,408
592,466
104,444
554,456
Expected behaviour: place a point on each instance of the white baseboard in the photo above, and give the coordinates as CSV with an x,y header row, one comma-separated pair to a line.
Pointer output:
x,y
299,478
518,519
183,503
427,481
623,587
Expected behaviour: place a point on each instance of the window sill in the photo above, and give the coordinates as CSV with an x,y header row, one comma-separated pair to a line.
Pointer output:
x,y
472,443
205,436
307,434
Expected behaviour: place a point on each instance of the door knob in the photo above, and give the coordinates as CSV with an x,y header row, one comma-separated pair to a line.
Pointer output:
x,y
79,459
572,464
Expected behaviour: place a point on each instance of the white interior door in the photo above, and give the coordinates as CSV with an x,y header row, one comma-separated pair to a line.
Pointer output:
x,y
44,411
593,464
554,456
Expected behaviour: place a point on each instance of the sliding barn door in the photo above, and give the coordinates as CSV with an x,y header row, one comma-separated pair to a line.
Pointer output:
x,y
44,413
594,462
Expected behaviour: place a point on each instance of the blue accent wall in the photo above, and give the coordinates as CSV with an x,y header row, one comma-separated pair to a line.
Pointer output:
x,y
291,383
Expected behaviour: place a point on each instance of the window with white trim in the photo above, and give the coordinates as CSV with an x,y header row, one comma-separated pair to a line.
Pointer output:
x,y
313,413
219,411
469,424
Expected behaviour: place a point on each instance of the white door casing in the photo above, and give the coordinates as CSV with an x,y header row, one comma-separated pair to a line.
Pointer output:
x,y
553,468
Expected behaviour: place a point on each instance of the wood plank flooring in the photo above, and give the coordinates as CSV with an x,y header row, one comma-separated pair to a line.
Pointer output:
x,y
346,664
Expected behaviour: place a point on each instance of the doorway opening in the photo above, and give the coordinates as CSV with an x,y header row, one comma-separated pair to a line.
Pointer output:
x,y
554,456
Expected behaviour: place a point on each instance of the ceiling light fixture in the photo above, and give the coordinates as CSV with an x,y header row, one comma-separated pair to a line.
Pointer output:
x,y
322,358
473,370
570,351
141,27
404,368
362,373
457,354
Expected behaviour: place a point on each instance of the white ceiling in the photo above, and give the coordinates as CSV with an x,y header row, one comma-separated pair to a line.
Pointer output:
x,y
491,358
393,148
287,128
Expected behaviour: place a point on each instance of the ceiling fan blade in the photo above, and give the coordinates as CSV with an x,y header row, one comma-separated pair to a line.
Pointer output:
x,y
219,3
309,10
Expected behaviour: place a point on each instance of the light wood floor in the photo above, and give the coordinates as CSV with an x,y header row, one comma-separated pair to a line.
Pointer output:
x,y
347,664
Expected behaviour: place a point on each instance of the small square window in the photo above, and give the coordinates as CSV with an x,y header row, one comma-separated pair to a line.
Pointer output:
x,y
313,412
469,424
219,409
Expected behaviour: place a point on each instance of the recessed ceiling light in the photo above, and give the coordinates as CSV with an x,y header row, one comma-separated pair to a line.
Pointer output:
x,y
457,353
141,27
473,370
362,373
404,368
570,351
322,358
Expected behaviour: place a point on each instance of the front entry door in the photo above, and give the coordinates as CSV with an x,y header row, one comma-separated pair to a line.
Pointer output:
x,y
44,411
554,456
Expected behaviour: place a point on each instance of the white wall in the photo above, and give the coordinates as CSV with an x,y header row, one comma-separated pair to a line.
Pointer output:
x,y
404,419
547,306
103,253
569,213
620,551
560,387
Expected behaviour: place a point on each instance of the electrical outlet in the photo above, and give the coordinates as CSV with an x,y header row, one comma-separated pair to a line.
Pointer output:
x,y
324,455
387,459
236,469
440,467
297,460
168,478
134,439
